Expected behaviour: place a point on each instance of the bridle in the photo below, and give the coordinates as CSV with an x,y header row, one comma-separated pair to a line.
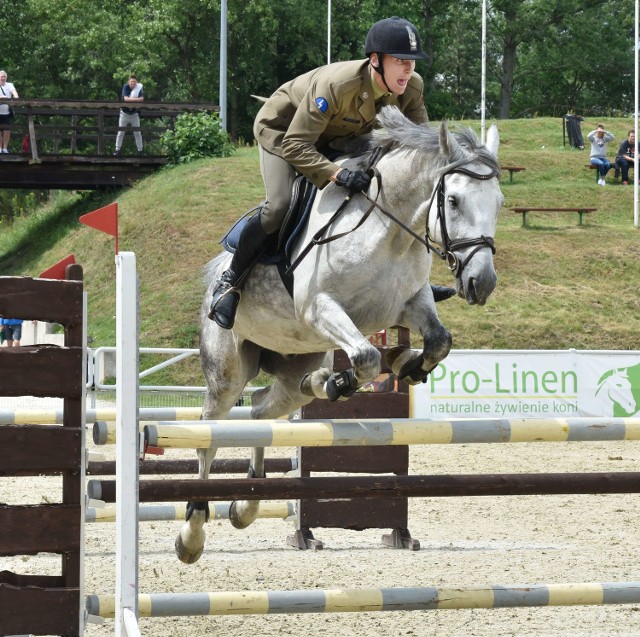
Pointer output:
x,y
445,250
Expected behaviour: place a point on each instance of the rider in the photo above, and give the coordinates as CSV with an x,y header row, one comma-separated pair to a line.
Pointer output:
x,y
301,120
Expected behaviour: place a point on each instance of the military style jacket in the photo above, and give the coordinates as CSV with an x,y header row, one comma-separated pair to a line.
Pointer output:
x,y
335,101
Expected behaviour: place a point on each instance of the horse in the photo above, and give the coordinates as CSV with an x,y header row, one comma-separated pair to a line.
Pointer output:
x,y
435,192
617,385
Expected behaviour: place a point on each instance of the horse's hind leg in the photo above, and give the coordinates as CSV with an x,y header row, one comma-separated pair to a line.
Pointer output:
x,y
275,401
190,541
227,373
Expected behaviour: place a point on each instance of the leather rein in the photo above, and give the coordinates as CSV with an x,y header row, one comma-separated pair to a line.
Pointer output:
x,y
445,250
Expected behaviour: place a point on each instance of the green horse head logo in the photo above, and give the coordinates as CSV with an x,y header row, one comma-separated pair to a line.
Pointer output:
x,y
621,386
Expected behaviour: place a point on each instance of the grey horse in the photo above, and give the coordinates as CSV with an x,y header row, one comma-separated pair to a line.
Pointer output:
x,y
435,193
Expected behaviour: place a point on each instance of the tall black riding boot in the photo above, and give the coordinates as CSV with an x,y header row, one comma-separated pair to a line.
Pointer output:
x,y
226,296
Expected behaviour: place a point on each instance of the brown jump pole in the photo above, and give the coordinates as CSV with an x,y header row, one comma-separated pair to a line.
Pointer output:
x,y
434,486
175,467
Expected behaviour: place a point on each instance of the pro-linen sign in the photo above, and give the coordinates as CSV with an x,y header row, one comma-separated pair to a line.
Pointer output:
x,y
531,384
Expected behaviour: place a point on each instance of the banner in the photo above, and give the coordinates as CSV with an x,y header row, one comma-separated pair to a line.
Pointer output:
x,y
530,384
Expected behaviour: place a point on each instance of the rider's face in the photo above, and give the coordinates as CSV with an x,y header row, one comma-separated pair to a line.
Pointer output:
x,y
396,73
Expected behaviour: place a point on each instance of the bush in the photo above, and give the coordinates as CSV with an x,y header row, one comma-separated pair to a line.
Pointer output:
x,y
194,136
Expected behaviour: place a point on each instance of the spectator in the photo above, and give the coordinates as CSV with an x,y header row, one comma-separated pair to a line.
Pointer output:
x,y
625,157
12,331
599,139
131,92
7,92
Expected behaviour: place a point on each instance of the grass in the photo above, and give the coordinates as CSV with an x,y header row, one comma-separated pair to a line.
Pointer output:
x,y
560,285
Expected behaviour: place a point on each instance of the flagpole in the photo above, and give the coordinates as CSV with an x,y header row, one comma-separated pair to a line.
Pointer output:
x,y
635,116
483,83
328,31
223,64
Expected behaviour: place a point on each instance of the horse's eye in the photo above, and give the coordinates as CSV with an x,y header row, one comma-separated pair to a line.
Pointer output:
x,y
453,201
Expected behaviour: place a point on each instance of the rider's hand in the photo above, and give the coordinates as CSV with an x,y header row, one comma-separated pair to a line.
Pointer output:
x,y
353,180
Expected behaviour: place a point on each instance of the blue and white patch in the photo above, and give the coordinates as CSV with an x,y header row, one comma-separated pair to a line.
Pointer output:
x,y
322,104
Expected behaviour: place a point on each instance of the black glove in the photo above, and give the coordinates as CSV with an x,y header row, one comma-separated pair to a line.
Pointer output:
x,y
353,180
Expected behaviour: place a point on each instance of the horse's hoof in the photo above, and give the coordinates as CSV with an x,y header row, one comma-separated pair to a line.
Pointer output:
x,y
313,383
247,517
397,357
186,555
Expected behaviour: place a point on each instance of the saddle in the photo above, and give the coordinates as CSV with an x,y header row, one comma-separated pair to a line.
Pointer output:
x,y
279,249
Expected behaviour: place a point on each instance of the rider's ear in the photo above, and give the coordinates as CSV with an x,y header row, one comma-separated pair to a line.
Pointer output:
x,y
374,60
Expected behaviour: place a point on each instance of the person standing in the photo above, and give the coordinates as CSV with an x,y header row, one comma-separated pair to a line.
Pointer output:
x,y
131,92
599,139
12,331
300,127
7,92
626,154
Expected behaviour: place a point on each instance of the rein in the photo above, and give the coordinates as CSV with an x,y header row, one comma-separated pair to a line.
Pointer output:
x,y
445,251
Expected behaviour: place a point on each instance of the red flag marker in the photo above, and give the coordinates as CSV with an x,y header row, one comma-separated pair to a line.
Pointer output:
x,y
57,271
104,219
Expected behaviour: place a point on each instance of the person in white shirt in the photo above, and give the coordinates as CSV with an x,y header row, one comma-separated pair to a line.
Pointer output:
x,y
599,139
7,92
131,92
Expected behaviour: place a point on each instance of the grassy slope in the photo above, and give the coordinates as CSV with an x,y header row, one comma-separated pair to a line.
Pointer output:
x,y
560,285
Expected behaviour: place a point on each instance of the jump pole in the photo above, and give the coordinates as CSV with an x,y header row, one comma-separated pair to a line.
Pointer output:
x,y
108,414
205,434
370,600
378,487
220,511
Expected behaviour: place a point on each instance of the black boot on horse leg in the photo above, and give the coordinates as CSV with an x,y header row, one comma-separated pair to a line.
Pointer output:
x,y
441,292
226,295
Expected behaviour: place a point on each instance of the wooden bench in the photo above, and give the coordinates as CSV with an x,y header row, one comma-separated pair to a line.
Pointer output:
x,y
512,169
580,211
595,167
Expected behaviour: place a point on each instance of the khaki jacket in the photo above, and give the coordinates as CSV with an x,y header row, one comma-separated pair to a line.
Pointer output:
x,y
330,102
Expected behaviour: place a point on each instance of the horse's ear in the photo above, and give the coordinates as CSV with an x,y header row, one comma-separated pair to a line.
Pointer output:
x,y
448,142
493,140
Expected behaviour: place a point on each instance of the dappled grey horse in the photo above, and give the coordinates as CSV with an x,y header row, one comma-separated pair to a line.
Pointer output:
x,y
434,193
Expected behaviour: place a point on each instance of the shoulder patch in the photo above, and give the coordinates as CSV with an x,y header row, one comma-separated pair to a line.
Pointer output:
x,y
322,104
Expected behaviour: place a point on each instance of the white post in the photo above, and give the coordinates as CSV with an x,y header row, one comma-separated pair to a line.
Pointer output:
x,y
223,64
328,31
635,117
483,72
127,442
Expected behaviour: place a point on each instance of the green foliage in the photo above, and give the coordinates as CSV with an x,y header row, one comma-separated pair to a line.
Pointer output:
x,y
195,136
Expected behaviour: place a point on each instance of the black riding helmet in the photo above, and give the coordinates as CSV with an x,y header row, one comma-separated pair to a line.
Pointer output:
x,y
396,37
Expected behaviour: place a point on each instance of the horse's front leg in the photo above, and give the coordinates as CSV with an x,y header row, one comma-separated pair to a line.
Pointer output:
x,y
329,319
420,316
190,541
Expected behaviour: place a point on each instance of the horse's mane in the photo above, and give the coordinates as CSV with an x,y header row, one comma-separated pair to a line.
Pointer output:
x,y
399,133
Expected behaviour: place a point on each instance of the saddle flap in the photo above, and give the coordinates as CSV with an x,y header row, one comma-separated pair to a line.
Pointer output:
x,y
302,195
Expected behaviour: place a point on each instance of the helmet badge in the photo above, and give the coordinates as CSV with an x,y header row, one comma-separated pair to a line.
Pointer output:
x,y
413,42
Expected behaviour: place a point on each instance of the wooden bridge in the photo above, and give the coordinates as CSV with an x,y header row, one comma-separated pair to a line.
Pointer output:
x,y
58,144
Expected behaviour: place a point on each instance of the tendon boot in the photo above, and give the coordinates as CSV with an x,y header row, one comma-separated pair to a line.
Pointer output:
x,y
226,295
441,292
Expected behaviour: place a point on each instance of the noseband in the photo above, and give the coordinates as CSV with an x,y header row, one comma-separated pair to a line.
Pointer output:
x,y
446,250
